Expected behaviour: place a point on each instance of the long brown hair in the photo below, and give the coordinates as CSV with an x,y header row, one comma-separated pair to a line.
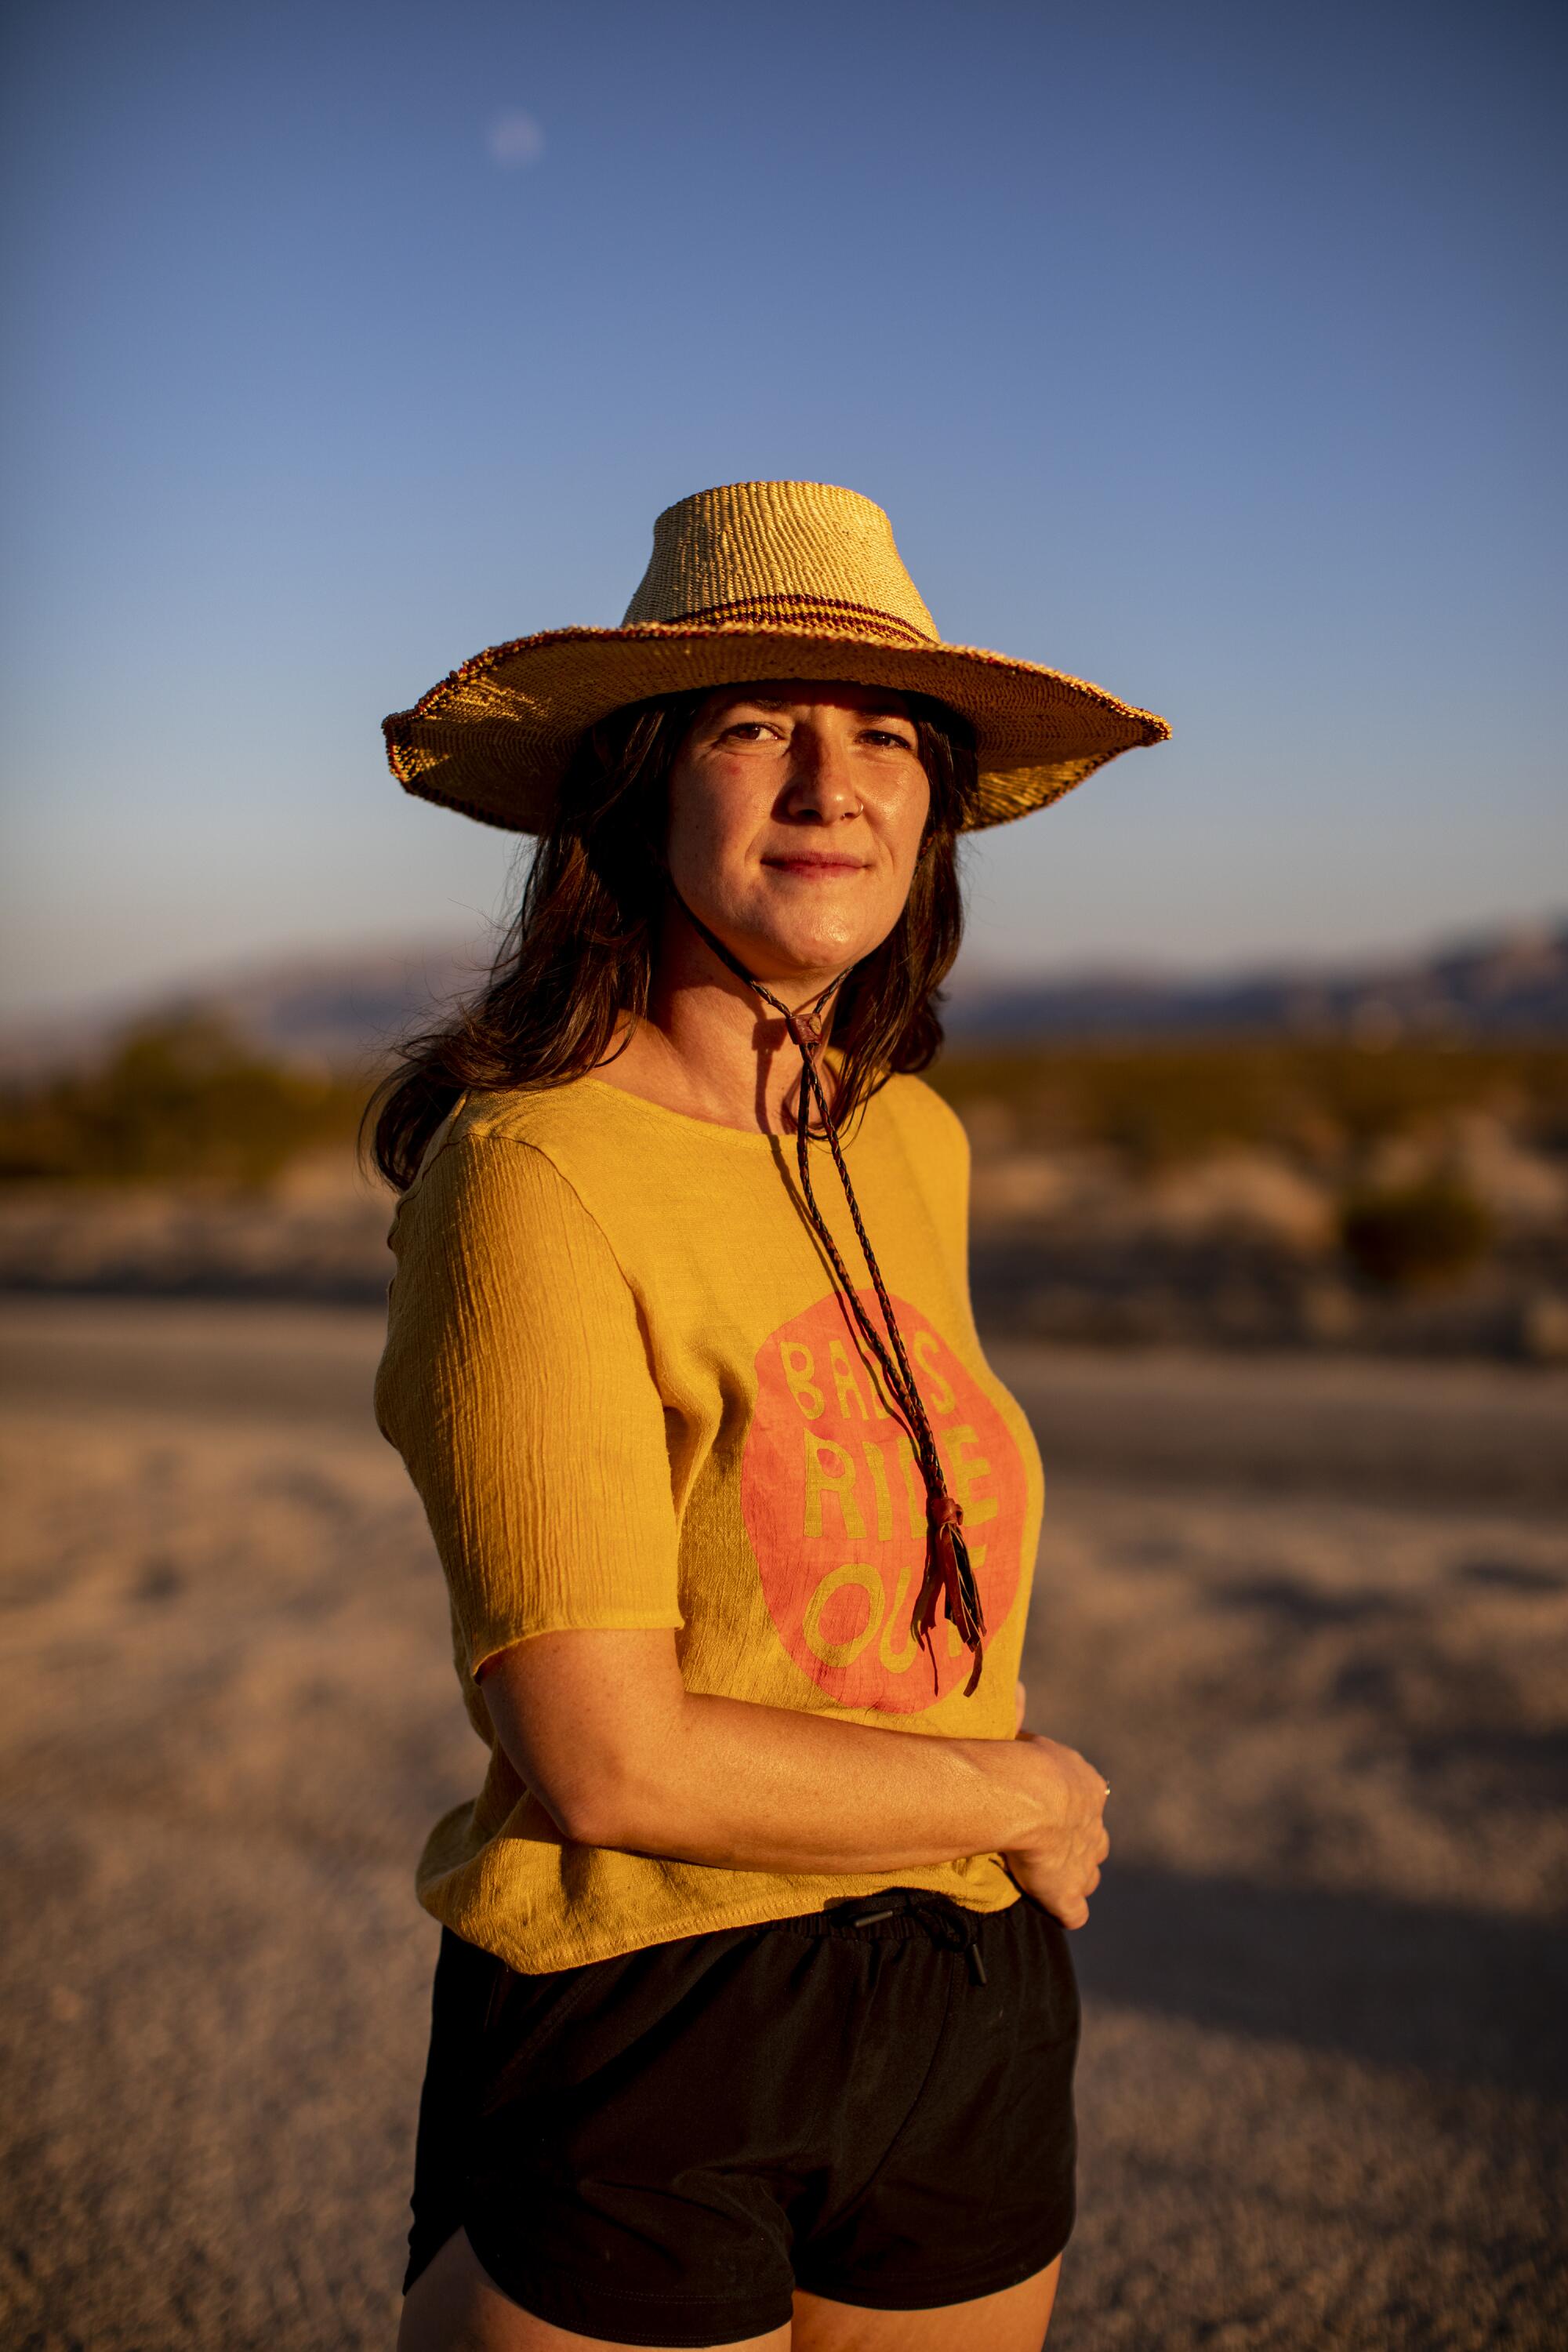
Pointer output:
x,y
578,958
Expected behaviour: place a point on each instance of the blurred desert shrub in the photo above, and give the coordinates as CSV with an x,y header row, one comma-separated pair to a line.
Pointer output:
x,y
190,1101
1414,1236
1322,1103
182,1101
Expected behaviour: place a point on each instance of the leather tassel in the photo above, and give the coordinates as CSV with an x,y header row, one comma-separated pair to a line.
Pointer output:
x,y
950,1574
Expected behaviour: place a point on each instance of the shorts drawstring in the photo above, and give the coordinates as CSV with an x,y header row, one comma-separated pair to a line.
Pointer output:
x,y
949,1928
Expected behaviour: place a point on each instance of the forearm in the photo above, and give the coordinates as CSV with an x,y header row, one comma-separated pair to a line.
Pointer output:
x,y
632,1760
757,1787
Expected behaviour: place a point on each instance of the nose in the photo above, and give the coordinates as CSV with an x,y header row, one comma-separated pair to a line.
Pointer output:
x,y
821,785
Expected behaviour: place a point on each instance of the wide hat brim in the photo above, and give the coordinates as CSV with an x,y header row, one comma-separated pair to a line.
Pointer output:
x,y
494,739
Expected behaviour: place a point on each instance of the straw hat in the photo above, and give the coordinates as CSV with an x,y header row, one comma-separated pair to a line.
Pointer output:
x,y
758,580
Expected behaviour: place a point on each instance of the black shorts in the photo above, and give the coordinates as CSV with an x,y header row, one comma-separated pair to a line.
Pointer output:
x,y
872,2104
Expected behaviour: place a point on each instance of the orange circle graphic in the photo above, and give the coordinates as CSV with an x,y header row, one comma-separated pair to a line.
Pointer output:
x,y
835,1505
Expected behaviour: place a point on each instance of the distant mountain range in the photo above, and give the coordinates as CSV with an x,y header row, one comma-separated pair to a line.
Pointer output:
x,y
348,1011
1514,981
341,1011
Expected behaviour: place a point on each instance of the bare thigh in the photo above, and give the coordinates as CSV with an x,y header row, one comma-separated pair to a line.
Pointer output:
x,y
453,2307
1013,2321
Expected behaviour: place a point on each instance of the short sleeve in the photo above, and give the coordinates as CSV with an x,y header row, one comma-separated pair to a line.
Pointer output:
x,y
516,1385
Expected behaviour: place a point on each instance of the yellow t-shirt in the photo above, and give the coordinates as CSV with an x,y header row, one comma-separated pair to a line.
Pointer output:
x,y
626,1388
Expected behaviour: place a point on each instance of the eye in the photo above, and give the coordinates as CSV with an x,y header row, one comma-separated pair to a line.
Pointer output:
x,y
891,735
750,730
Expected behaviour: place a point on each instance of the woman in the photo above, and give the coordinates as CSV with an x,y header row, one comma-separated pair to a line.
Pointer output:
x,y
754,2020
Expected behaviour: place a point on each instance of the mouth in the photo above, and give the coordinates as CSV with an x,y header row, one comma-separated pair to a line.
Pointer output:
x,y
814,866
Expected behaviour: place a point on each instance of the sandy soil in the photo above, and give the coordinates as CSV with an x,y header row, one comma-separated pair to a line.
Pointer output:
x,y
1310,1617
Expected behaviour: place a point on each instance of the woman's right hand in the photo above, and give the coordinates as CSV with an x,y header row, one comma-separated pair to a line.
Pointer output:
x,y
1061,1871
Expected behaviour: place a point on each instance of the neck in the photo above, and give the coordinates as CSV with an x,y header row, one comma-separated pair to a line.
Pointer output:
x,y
709,1045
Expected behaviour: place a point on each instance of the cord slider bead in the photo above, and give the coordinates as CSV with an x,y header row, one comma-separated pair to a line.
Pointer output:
x,y
943,1509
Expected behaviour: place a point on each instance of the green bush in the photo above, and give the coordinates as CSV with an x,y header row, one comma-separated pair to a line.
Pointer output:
x,y
177,1101
1408,1237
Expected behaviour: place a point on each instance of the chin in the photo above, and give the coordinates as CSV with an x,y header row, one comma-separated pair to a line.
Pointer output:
x,y
826,948
799,933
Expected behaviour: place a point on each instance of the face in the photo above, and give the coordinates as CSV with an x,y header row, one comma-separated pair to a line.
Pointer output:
x,y
797,811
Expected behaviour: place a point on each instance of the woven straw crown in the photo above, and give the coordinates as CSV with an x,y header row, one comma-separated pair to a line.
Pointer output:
x,y
754,581
803,555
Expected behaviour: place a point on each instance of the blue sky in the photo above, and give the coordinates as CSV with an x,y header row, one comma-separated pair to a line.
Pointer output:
x,y
1211,351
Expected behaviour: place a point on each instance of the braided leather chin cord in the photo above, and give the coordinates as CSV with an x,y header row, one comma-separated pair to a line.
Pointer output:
x,y
949,1572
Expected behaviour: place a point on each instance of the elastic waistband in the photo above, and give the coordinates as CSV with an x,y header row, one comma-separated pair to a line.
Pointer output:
x,y
894,1916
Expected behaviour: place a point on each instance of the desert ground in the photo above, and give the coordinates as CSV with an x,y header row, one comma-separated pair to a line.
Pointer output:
x,y
1309,1615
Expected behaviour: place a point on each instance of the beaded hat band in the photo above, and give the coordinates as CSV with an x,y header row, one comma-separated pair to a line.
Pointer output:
x,y
758,580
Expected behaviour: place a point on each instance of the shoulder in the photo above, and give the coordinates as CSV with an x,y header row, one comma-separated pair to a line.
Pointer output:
x,y
494,1238
501,1160
516,1127
927,1138
923,1121
540,1117
502,1280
